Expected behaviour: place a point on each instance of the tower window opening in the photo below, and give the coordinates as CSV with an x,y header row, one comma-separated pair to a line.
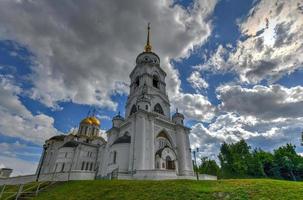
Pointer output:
x,y
146,107
155,81
137,82
158,109
133,110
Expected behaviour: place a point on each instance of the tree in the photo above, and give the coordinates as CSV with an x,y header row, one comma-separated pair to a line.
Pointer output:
x,y
234,159
261,164
209,166
288,164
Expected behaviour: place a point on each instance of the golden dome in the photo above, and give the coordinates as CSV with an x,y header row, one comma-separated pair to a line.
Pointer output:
x,y
94,121
87,121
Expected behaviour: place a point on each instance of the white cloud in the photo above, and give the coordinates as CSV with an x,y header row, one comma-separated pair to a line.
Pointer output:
x,y
19,166
194,106
17,121
196,81
271,44
231,127
266,116
17,149
83,51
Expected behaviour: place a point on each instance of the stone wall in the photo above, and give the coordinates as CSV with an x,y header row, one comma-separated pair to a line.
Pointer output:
x,y
207,177
62,176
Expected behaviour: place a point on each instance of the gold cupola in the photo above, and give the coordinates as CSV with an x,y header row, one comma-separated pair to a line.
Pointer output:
x,y
148,47
87,121
92,120
95,121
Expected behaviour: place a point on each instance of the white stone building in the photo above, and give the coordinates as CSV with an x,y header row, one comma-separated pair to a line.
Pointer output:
x,y
148,143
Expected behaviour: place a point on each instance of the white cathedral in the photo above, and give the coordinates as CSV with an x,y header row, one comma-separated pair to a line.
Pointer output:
x,y
148,143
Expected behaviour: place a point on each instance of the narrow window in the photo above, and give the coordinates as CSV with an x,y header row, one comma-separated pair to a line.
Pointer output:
x,y
133,110
137,82
115,157
62,168
86,168
146,107
82,167
91,167
155,81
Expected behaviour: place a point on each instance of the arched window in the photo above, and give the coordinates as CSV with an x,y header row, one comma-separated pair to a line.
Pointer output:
x,y
137,82
158,109
155,81
163,140
133,110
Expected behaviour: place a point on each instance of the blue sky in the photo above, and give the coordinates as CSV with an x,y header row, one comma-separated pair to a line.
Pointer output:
x,y
234,69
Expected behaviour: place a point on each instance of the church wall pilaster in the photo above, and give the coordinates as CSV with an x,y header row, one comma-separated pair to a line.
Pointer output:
x,y
181,141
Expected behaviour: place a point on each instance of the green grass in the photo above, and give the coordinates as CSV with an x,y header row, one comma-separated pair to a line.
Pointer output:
x,y
10,190
234,189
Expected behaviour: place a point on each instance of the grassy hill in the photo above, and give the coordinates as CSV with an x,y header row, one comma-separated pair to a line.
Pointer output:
x,y
176,189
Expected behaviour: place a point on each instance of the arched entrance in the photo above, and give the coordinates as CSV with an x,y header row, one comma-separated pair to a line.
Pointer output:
x,y
170,164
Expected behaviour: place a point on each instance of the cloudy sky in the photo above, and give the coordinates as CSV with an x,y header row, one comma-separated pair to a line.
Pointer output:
x,y
234,68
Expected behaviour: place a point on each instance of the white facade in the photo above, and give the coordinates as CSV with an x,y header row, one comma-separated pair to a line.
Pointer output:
x,y
148,143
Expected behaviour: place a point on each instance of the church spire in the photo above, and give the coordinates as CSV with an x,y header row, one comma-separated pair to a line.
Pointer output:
x,y
148,46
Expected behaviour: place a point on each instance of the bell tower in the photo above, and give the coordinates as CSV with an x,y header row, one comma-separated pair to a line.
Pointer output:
x,y
148,88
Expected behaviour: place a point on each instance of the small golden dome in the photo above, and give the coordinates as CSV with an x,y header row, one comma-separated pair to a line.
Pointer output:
x,y
87,121
95,121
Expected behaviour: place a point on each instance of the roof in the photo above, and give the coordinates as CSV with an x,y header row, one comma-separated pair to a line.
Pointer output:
x,y
119,117
177,114
123,139
71,144
57,137
5,168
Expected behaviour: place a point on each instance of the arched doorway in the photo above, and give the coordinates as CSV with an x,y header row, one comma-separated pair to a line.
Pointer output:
x,y
170,164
